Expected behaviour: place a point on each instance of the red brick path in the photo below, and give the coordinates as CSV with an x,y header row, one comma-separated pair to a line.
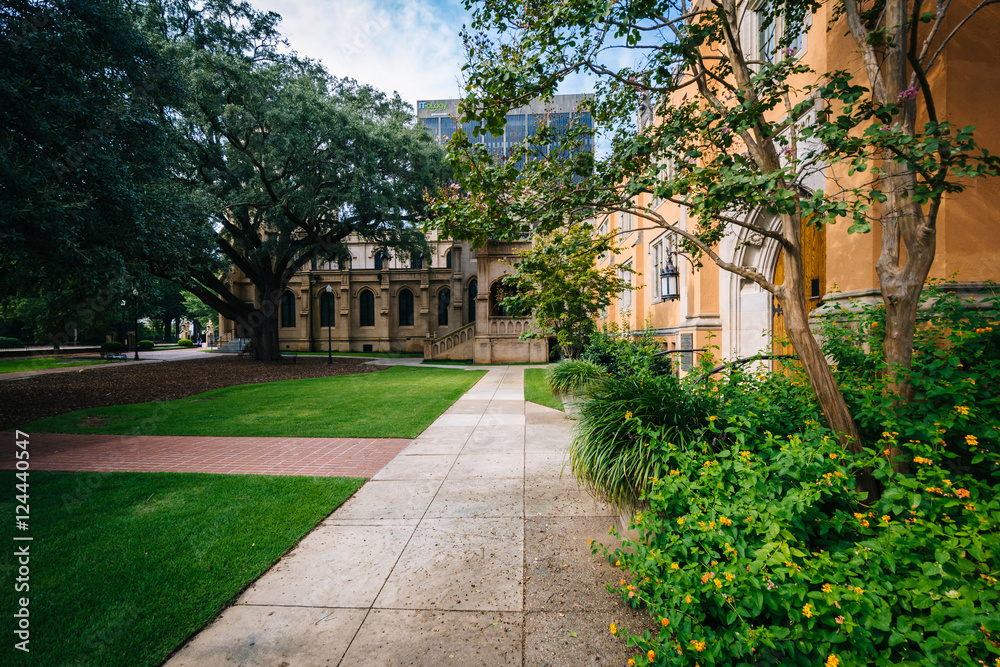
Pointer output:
x,y
318,457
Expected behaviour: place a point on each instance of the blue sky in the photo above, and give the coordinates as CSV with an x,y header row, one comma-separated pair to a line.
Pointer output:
x,y
409,46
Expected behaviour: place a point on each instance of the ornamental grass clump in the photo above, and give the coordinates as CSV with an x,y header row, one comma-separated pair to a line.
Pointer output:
x,y
574,376
623,425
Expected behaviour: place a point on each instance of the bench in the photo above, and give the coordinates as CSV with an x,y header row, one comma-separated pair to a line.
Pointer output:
x,y
288,354
120,356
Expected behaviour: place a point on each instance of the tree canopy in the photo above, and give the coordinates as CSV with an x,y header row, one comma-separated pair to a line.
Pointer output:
x,y
735,127
290,159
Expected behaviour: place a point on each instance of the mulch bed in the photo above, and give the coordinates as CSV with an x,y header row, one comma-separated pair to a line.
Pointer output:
x,y
27,399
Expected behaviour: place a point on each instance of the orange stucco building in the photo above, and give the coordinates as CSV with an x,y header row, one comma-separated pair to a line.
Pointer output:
x,y
720,308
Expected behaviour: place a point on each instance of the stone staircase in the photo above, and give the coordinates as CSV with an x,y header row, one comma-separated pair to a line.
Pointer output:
x,y
233,345
457,345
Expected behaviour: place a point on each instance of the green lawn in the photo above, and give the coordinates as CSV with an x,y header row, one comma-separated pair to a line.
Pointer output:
x,y
537,390
42,363
124,567
399,402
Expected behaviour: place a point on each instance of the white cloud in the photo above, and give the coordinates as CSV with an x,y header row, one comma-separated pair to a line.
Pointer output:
x,y
407,46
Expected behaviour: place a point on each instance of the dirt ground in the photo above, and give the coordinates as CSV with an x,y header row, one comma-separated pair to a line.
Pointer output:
x,y
26,399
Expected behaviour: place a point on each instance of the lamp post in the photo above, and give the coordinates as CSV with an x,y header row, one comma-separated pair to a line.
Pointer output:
x,y
135,296
329,334
668,282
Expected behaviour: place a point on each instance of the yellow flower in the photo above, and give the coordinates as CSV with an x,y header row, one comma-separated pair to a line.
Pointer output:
x,y
687,599
864,523
614,629
730,576
697,645
718,584
631,662
971,440
827,588
712,418
807,611
858,515
832,661
628,415
680,521
618,563
651,654
961,409
675,566
886,518
664,622
921,459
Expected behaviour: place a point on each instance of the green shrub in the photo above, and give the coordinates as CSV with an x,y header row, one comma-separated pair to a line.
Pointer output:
x,y
755,548
145,345
620,419
112,346
185,342
623,355
6,342
574,376
761,554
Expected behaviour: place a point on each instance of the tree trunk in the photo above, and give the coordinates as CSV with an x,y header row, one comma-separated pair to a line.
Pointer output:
x,y
828,395
262,324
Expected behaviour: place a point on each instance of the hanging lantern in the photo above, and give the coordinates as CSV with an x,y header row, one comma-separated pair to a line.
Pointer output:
x,y
669,282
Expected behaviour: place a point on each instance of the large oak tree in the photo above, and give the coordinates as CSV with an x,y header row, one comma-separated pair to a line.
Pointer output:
x,y
291,160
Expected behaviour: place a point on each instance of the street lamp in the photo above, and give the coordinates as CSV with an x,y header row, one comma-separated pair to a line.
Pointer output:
x,y
329,334
668,282
135,295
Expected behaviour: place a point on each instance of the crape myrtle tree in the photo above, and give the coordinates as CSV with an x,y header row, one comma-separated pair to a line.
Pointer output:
x,y
738,132
557,279
292,159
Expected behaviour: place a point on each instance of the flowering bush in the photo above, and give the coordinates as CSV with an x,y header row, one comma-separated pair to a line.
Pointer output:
x,y
755,548
763,555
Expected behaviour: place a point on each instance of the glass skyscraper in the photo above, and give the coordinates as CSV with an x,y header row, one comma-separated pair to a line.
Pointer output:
x,y
440,117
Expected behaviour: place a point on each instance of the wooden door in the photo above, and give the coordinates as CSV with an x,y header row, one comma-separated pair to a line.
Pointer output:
x,y
814,267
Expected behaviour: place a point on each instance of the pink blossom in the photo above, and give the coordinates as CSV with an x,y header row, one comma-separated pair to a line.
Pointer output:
x,y
908,94
790,51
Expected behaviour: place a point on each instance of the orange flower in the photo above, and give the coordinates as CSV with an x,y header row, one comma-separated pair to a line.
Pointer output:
x,y
614,629
687,599
664,622
807,611
827,588
651,654
697,645
832,661
631,662
675,566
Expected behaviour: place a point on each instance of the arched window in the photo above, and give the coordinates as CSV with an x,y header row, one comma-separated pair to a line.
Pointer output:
x,y
444,303
381,259
447,260
497,294
288,309
326,309
417,262
471,300
405,308
367,308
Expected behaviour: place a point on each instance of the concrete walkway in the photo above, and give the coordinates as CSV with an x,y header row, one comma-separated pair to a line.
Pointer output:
x,y
467,549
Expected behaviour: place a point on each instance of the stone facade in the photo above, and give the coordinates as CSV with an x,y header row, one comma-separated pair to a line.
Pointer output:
x,y
444,308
